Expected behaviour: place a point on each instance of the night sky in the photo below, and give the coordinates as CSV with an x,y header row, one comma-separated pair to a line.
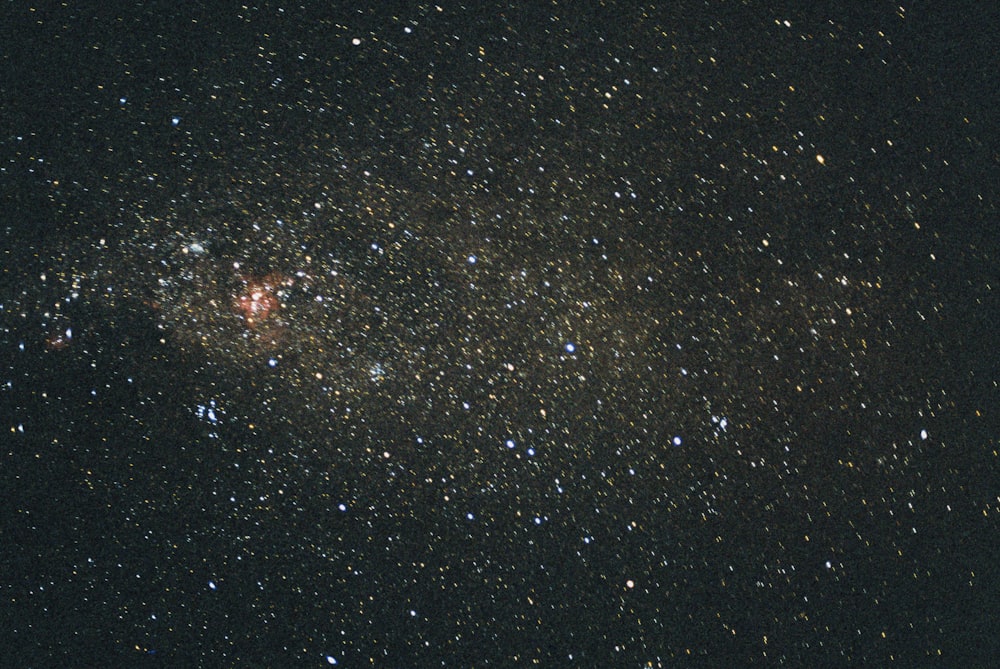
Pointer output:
x,y
581,334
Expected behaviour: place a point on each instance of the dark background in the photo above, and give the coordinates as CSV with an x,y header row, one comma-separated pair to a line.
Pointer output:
x,y
702,399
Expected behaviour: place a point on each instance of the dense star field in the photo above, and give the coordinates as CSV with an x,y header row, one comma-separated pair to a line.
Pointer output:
x,y
451,336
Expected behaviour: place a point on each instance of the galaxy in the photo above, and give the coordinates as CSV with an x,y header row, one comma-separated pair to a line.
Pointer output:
x,y
529,334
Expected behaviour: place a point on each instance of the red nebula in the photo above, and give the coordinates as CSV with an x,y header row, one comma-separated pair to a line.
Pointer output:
x,y
258,299
57,341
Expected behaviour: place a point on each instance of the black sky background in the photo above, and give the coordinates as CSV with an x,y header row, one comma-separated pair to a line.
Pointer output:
x,y
539,253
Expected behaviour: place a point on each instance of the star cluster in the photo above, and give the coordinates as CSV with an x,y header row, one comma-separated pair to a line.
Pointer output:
x,y
550,335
